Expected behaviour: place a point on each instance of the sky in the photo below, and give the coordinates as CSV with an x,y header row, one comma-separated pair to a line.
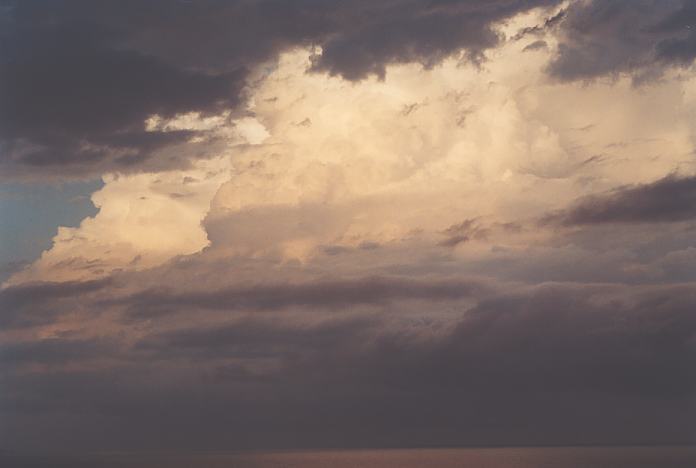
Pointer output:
x,y
31,213
262,224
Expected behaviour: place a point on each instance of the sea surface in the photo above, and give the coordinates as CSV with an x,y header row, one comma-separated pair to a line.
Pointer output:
x,y
566,457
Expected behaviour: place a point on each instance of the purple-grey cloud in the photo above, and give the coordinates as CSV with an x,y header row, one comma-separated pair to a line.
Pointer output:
x,y
670,199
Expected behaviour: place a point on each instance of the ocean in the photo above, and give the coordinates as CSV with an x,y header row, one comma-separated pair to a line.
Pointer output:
x,y
556,457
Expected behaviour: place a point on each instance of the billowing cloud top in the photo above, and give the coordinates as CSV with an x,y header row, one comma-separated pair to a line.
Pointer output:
x,y
356,223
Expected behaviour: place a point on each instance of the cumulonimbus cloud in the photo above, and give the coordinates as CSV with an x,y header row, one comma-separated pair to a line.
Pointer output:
x,y
319,224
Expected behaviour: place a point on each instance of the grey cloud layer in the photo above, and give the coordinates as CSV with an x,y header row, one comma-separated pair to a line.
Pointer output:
x,y
670,199
321,294
600,38
35,303
615,360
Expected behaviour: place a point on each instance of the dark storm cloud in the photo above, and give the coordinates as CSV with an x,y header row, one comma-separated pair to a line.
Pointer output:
x,y
590,338
321,294
54,351
670,199
71,97
681,47
413,31
556,363
253,338
35,303
550,23
78,79
552,337
467,230
536,45
642,37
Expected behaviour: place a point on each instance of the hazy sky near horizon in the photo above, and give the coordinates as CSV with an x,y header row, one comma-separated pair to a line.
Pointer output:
x,y
347,223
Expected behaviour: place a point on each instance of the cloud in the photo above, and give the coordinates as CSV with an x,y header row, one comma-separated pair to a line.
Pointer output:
x,y
670,199
463,232
415,32
337,294
386,162
600,355
76,103
418,161
31,304
143,220
642,38
52,351
258,338
336,242
78,80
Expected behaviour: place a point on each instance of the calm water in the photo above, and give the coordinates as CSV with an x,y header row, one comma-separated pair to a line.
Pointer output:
x,y
633,457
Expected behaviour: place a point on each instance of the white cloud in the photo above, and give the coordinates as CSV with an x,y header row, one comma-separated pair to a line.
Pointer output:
x,y
321,161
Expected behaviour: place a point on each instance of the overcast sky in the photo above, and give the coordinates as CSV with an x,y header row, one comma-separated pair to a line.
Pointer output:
x,y
310,223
